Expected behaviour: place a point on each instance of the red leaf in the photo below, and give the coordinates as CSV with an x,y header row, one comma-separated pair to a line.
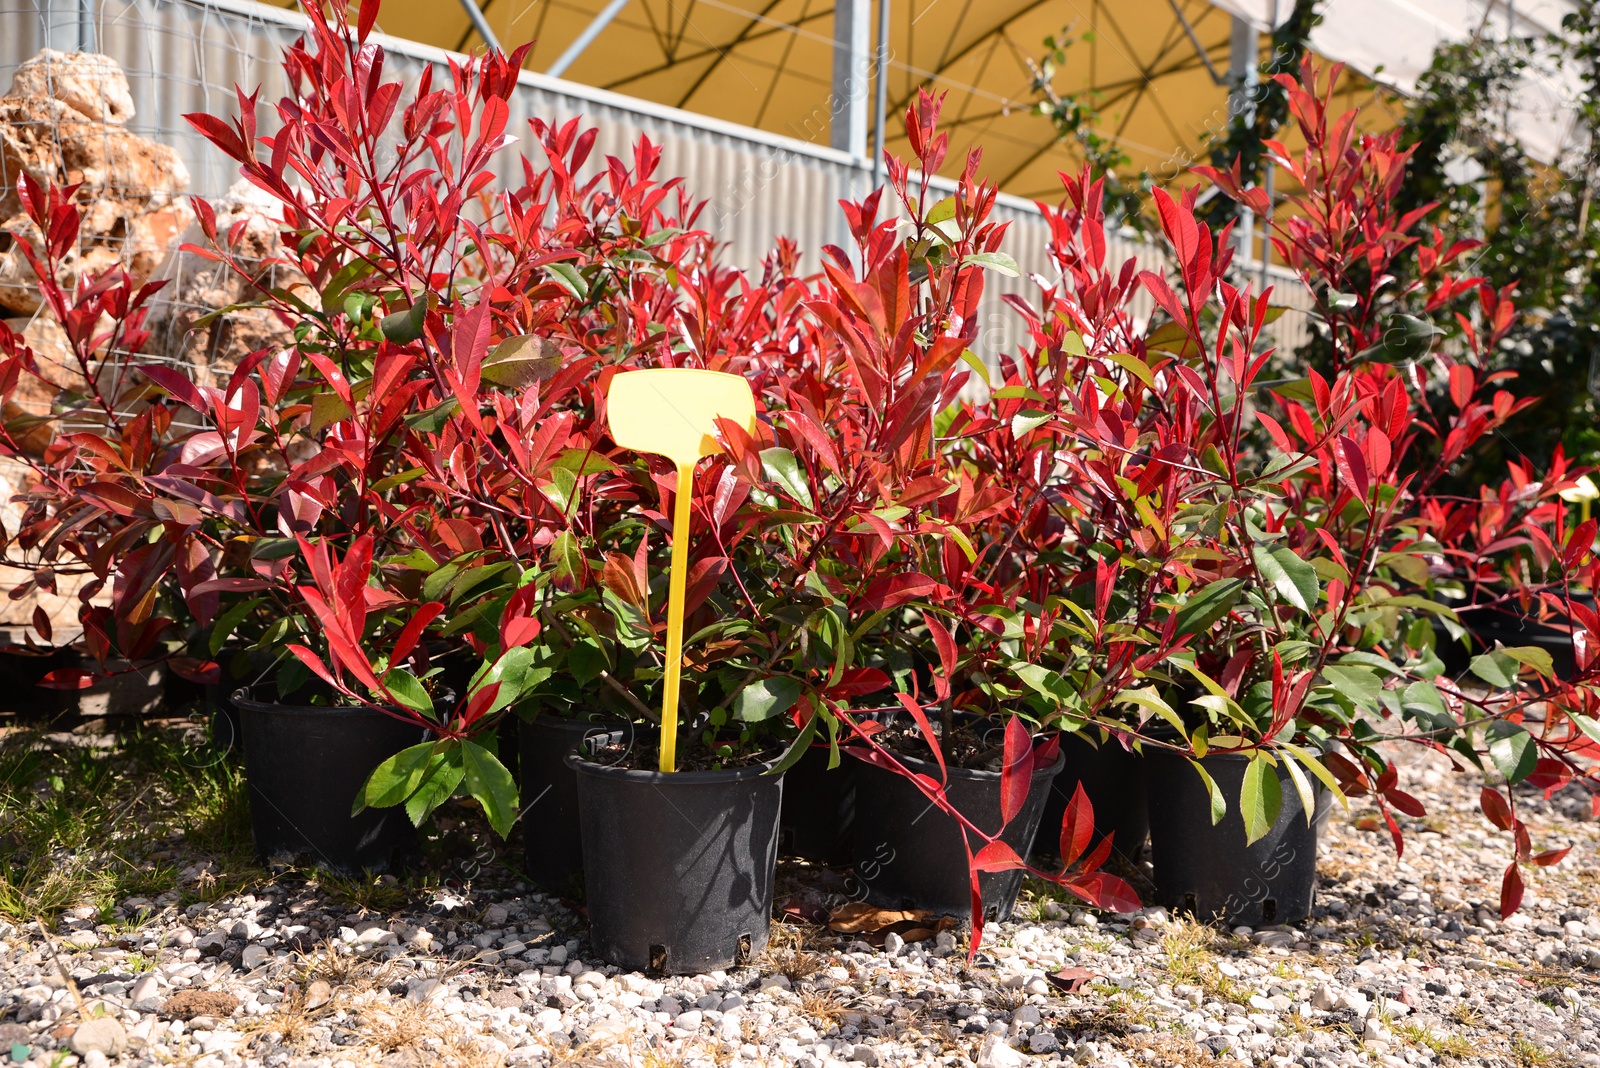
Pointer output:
x,y
412,633
1106,892
927,732
1580,543
1406,803
69,678
1550,856
1016,770
1495,807
997,856
1077,826
41,621
1510,891
204,672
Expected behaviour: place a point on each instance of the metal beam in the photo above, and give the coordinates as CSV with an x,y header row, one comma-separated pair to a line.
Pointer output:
x,y
1200,49
882,104
847,102
586,38
481,24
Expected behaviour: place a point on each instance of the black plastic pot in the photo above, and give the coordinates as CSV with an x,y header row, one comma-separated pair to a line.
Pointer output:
x,y
305,765
1113,781
678,867
551,841
909,854
1209,870
819,808
21,668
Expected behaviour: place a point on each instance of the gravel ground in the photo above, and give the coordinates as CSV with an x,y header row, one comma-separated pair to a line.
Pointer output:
x,y
1404,963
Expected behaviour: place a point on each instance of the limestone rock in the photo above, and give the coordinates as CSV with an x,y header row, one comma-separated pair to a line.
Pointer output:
x,y
197,286
90,84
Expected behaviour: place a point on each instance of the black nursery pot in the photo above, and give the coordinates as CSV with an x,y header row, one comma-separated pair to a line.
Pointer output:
x,y
552,845
678,867
909,854
1209,870
1113,781
819,808
305,765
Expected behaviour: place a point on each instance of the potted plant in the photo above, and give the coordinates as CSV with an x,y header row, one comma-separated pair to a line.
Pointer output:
x,y
1293,521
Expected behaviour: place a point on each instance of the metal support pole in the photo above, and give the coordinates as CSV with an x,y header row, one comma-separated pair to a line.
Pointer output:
x,y
1244,77
586,38
86,26
481,24
882,106
847,104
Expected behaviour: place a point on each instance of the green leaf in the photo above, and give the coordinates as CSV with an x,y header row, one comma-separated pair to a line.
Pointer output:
x,y
518,362
1219,804
1134,366
797,748
1260,798
1360,685
781,466
1302,786
995,261
1044,681
404,327
432,420
1148,699
766,698
586,661
1210,604
1512,749
327,409
567,277
566,558
488,780
384,485
1531,656
1315,766
228,621
439,782
1587,725
1497,668
1292,578
407,689
516,673
1027,420
395,779
944,209
974,361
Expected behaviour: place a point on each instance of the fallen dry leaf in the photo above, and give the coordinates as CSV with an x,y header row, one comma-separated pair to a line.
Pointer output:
x,y
1068,980
854,917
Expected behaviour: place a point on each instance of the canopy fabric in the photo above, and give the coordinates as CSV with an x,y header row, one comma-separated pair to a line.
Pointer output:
x,y
1155,69
1393,41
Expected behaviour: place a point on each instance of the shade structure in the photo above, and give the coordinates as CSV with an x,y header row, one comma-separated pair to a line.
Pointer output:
x,y
1156,70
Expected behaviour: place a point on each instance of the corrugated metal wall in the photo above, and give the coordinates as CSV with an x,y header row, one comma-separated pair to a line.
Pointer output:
x,y
185,56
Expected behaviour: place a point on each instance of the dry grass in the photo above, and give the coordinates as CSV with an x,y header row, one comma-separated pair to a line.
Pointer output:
x,y
823,1006
1174,1051
788,952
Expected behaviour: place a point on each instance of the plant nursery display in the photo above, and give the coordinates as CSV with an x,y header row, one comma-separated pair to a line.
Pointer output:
x,y
523,450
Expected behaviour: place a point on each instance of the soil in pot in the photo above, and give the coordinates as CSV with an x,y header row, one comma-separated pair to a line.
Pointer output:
x,y
551,840
1113,781
305,764
1210,871
909,854
679,867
